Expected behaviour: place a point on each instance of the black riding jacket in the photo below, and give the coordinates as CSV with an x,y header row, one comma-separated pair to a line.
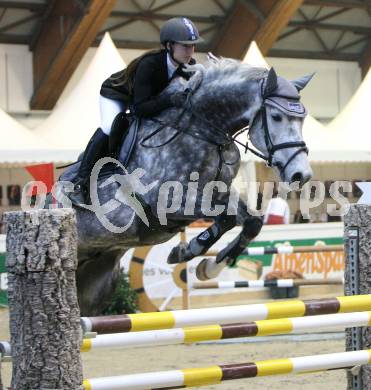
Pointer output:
x,y
151,78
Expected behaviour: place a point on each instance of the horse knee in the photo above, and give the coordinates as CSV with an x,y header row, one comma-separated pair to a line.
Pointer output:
x,y
222,224
252,226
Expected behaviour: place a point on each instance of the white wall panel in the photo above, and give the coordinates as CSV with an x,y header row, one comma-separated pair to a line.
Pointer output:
x,y
18,77
331,88
349,81
3,81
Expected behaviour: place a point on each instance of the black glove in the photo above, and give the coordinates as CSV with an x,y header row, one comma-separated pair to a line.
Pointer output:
x,y
178,99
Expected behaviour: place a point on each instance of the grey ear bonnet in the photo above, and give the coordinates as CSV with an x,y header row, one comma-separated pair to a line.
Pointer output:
x,y
302,82
283,94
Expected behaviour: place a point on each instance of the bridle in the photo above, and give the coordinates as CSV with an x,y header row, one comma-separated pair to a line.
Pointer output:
x,y
227,138
270,146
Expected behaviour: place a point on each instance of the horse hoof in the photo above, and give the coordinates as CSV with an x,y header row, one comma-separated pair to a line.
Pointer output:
x,y
178,254
201,270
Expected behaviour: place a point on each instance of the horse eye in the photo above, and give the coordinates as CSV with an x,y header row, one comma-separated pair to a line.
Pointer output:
x,y
277,117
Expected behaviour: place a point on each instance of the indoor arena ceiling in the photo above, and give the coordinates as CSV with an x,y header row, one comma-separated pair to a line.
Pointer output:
x,y
60,31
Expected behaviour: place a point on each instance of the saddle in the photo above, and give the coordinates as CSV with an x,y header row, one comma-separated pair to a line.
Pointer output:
x,y
122,142
123,137
121,145
128,144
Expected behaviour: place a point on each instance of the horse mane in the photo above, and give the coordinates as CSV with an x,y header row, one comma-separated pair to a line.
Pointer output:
x,y
227,70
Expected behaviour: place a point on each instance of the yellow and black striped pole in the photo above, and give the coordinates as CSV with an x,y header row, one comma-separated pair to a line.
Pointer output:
x,y
196,334
196,377
225,315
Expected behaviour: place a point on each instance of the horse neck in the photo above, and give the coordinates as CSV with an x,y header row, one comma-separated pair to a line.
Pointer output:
x,y
227,105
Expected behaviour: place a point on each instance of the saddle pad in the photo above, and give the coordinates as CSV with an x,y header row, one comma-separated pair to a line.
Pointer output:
x,y
129,143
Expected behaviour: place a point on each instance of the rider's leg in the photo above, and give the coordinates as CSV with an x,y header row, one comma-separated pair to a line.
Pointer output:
x,y
109,109
96,148
119,129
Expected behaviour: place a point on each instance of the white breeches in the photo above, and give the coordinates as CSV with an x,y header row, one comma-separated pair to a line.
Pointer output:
x,y
109,108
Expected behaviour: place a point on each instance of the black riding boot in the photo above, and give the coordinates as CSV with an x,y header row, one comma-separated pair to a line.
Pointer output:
x,y
96,149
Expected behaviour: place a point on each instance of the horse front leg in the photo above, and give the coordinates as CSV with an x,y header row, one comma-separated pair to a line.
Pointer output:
x,y
251,226
96,280
204,241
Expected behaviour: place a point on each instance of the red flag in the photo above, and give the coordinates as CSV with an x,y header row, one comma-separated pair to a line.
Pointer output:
x,y
43,173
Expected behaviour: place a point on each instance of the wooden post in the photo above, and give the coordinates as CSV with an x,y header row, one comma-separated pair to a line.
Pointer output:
x,y
1,382
44,313
185,291
357,240
185,295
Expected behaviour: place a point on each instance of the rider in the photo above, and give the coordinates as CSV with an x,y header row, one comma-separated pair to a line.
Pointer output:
x,y
138,86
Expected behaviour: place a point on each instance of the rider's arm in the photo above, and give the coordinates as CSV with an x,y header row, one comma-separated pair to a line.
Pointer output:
x,y
146,103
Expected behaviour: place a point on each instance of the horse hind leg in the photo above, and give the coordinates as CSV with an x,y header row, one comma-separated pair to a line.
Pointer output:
x,y
209,269
96,281
203,242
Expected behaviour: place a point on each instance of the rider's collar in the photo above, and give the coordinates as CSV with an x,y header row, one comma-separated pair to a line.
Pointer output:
x,y
285,98
171,68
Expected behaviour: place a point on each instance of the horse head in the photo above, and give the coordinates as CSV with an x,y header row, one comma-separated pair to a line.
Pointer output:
x,y
276,129
232,95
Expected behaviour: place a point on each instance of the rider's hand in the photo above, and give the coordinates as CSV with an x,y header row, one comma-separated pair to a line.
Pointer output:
x,y
178,99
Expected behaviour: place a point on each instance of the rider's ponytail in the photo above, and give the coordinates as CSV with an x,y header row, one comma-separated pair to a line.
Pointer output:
x,y
127,75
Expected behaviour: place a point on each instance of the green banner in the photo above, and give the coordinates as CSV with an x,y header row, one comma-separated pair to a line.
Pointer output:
x,y
267,259
3,281
322,264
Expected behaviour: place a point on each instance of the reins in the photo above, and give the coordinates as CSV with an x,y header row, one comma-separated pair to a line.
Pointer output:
x,y
228,140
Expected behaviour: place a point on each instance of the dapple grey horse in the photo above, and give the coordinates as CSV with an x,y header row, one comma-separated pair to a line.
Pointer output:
x,y
181,155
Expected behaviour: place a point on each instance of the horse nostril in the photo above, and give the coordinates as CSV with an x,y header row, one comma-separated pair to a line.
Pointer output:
x,y
297,177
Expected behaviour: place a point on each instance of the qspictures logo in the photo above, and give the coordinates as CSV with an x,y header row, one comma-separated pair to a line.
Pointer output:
x,y
170,198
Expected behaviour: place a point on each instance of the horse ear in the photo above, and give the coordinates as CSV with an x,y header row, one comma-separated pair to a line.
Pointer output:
x,y
302,82
271,83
